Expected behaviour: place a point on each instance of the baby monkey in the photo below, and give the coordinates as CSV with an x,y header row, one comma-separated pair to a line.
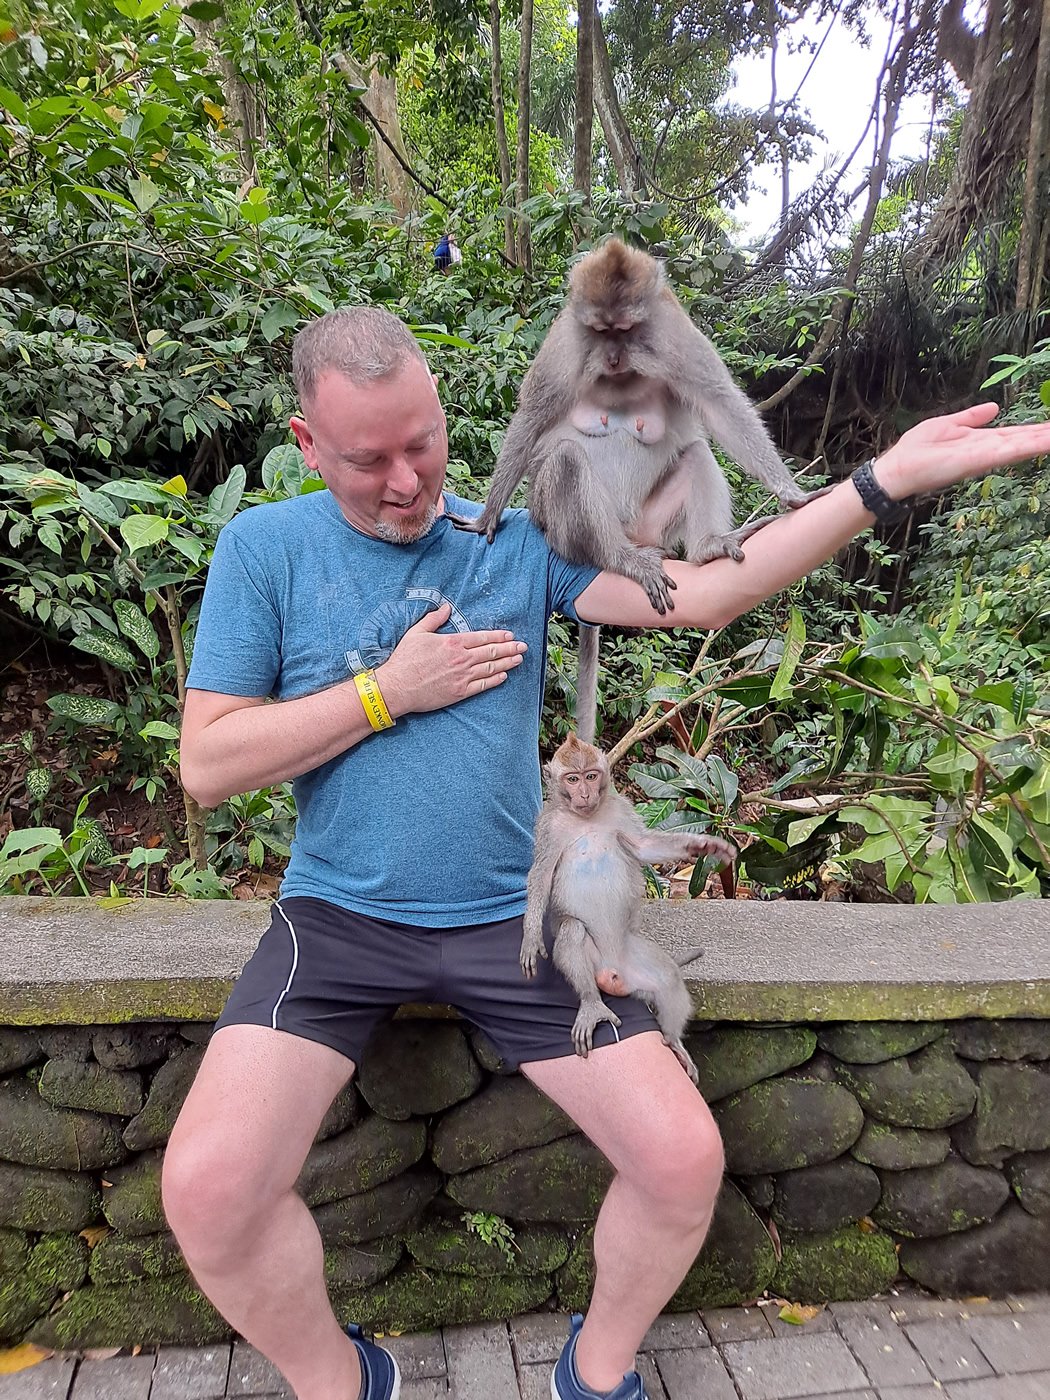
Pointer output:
x,y
587,871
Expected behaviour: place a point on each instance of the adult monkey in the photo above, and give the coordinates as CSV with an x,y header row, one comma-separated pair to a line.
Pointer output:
x,y
612,428
299,593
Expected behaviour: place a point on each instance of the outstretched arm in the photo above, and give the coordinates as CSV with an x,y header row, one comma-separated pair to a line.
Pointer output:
x,y
928,457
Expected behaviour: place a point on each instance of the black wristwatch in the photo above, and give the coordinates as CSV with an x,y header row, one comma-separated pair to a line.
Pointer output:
x,y
882,507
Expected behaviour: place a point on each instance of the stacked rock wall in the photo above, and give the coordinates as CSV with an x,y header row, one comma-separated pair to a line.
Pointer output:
x,y
446,1190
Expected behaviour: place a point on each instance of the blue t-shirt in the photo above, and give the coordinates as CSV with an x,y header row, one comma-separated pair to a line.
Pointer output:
x,y
430,822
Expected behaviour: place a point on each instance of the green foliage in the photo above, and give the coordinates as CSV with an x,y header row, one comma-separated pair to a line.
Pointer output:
x,y
493,1229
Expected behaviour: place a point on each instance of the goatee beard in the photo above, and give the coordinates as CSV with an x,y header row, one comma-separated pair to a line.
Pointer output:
x,y
407,531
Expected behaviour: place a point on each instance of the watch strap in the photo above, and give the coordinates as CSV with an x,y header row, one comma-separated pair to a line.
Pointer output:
x,y
882,507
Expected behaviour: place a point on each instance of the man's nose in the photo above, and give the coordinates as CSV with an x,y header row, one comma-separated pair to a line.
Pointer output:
x,y
402,481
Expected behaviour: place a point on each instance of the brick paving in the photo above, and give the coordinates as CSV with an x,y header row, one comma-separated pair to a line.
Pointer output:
x,y
903,1347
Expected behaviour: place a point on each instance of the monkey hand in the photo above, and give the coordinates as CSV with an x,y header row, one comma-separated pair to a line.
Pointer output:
x,y
795,498
429,669
590,1014
532,949
684,1059
487,523
713,846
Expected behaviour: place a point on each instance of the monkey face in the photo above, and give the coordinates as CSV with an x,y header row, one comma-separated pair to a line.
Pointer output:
x,y
583,791
381,449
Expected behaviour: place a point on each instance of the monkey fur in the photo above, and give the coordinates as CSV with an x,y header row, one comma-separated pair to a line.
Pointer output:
x,y
612,427
587,877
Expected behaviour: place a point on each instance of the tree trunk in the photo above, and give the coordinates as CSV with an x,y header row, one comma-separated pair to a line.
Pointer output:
x,y
1035,205
584,126
524,117
238,97
622,151
995,132
390,173
496,67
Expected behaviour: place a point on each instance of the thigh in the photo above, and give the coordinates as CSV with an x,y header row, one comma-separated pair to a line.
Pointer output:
x,y
526,1018
254,1108
636,1104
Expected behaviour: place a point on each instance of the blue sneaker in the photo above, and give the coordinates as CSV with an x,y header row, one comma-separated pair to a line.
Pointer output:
x,y
381,1378
566,1384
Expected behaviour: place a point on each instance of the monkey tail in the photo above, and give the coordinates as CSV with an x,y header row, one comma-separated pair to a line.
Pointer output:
x,y
587,684
690,955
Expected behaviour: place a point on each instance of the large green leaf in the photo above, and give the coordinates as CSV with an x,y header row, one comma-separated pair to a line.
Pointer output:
x,y
85,709
135,625
142,531
106,646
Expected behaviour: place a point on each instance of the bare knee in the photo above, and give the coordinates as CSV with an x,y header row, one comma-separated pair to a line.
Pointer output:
x,y
213,1198
681,1169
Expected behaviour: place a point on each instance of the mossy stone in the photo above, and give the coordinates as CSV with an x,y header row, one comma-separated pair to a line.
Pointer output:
x,y
1012,1113
22,1300
414,1300
929,1089
33,1199
1001,1040
563,1180
898,1149
816,1200
835,1266
71,1084
132,1202
356,1266
67,1042
413,1068
167,1093
940,1200
344,1112
1011,1254
121,1259
163,1312
363,1157
14,1251
759,1190
132,1047
736,1057
507,1116
59,1261
872,1042
34,1134
18,1048
1029,1176
385,1210
439,1244
782,1124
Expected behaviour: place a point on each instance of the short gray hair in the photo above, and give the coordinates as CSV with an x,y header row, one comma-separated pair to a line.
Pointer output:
x,y
362,342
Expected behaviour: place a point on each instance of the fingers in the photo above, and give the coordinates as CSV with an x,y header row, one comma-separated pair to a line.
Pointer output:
x,y
431,621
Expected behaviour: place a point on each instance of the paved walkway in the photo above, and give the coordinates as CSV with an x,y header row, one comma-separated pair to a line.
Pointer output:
x,y
905,1348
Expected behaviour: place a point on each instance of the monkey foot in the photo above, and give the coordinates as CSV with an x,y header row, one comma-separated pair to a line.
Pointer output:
x,y
588,1017
684,1058
611,983
796,499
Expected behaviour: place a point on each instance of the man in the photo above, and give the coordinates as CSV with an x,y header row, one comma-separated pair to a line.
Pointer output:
x,y
405,663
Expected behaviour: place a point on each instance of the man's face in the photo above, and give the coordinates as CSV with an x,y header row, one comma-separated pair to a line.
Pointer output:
x,y
380,448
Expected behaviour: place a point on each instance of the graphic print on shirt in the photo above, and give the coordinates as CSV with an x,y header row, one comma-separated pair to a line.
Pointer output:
x,y
384,628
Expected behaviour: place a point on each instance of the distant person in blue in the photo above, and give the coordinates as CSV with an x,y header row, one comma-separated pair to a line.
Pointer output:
x,y
393,667
443,253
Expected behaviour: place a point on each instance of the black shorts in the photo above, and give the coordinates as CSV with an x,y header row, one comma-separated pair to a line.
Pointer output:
x,y
326,974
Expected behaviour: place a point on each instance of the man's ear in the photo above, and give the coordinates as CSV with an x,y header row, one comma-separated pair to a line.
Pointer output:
x,y
305,438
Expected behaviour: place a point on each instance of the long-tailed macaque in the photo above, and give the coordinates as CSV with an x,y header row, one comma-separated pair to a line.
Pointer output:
x,y
587,875
612,428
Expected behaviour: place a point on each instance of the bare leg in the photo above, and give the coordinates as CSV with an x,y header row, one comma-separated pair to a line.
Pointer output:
x,y
635,1104
229,1172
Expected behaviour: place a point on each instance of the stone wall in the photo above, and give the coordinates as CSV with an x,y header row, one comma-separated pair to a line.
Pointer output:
x,y
857,1152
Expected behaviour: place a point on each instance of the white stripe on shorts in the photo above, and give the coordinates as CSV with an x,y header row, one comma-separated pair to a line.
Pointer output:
x,y
295,963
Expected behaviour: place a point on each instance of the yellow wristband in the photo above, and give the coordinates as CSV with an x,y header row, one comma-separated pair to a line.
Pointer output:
x,y
373,702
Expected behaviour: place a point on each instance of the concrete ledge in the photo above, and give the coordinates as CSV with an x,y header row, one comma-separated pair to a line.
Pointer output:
x,y
74,962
